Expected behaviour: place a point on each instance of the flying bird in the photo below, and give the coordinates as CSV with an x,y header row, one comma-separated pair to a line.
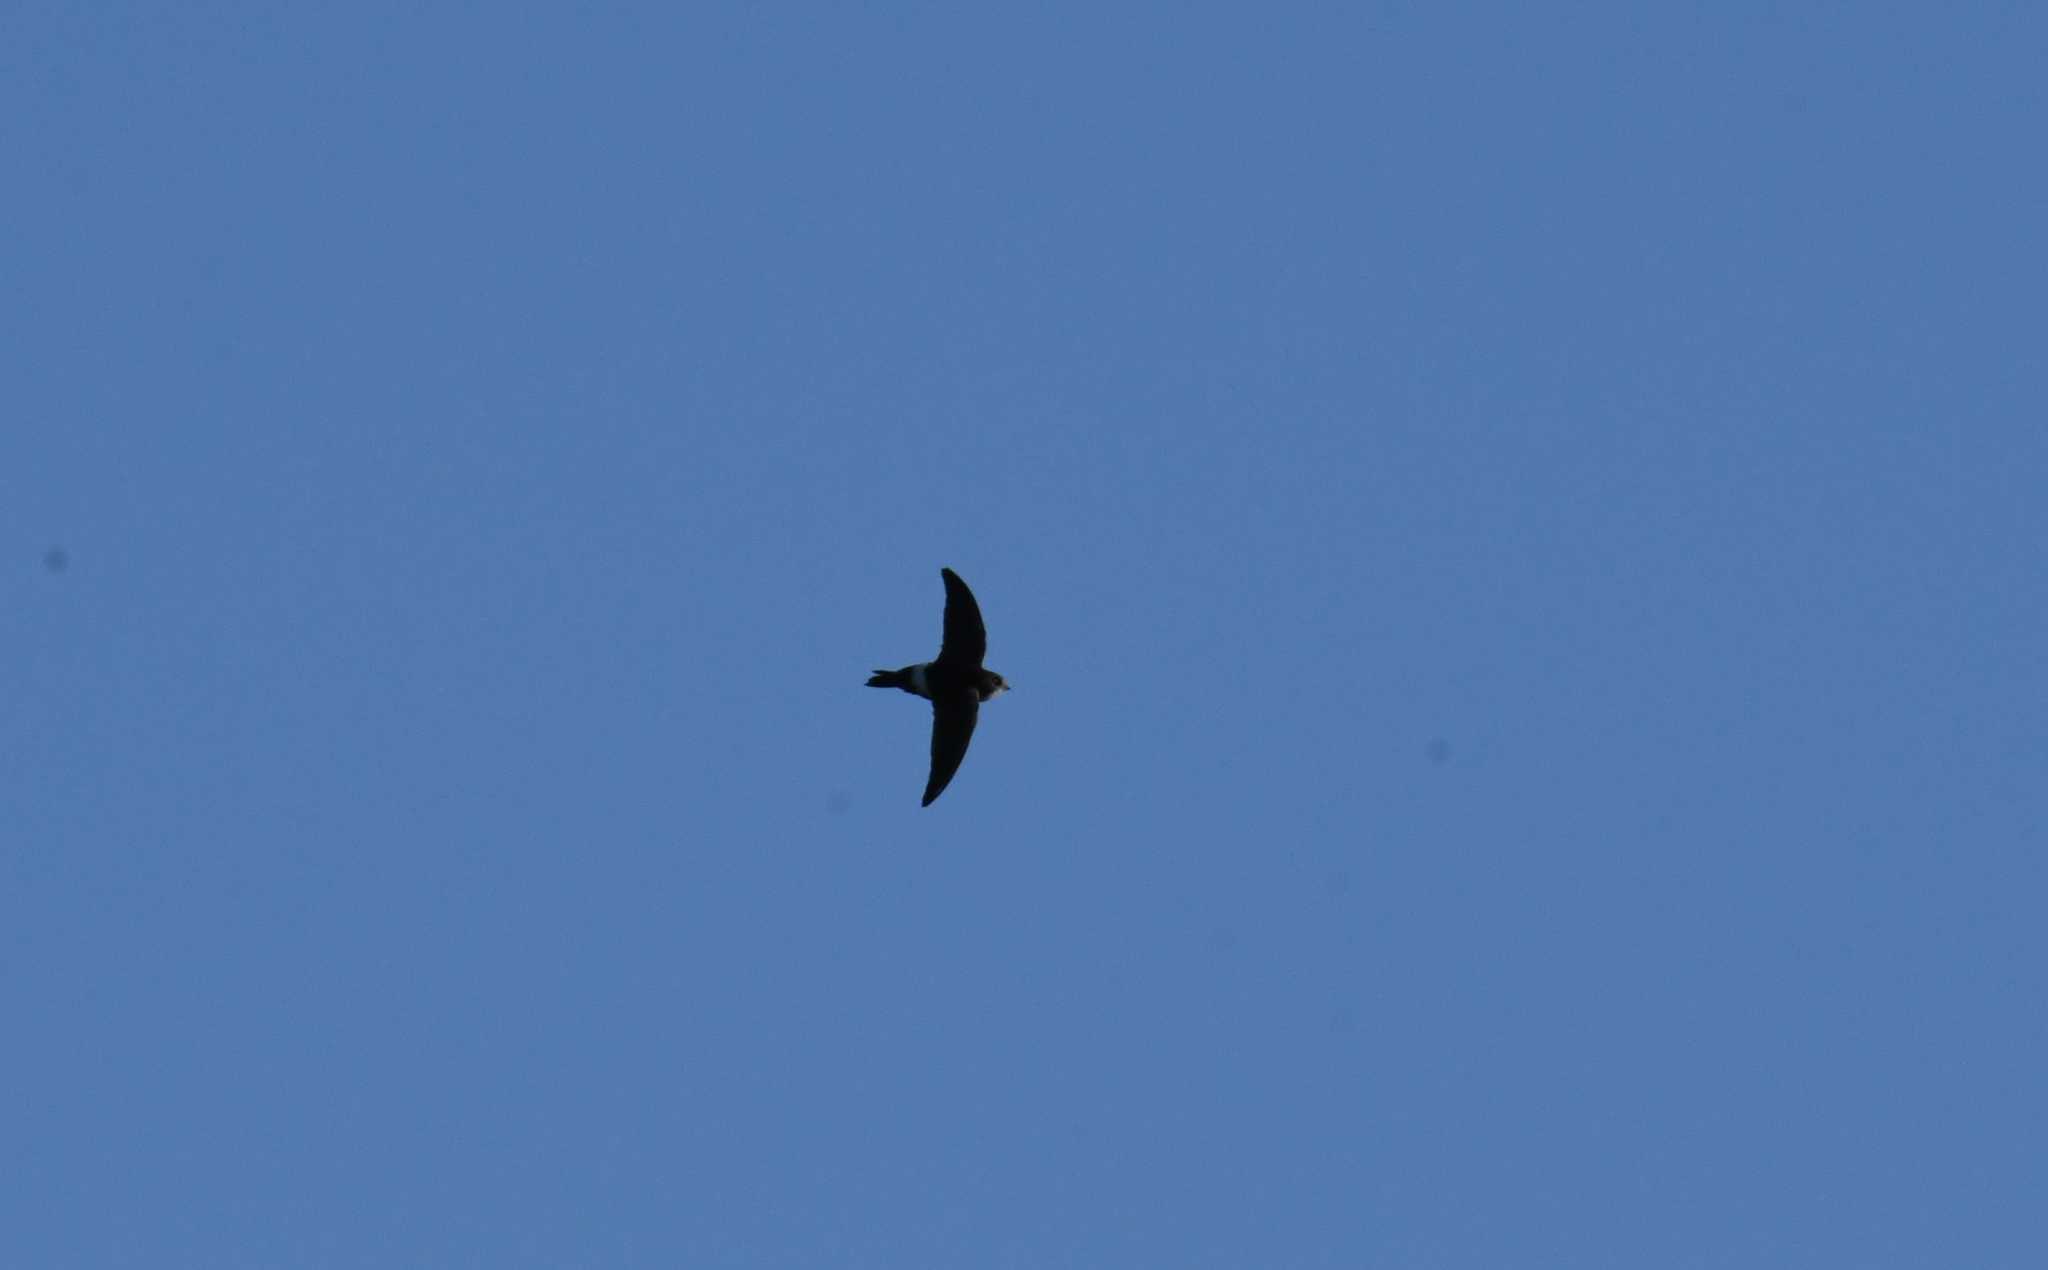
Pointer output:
x,y
954,682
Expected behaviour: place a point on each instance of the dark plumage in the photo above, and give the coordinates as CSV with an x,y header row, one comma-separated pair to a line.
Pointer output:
x,y
954,682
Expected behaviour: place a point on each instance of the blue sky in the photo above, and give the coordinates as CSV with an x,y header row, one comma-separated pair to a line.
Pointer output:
x,y
1517,531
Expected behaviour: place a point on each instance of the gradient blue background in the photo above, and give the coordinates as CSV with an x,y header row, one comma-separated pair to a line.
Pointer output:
x,y
1518,531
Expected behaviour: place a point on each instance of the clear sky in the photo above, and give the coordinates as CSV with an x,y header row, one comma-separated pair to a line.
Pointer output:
x,y
1517,531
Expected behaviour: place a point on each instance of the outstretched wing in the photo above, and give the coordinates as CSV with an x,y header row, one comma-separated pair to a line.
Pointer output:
x,y
953,718
965,640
